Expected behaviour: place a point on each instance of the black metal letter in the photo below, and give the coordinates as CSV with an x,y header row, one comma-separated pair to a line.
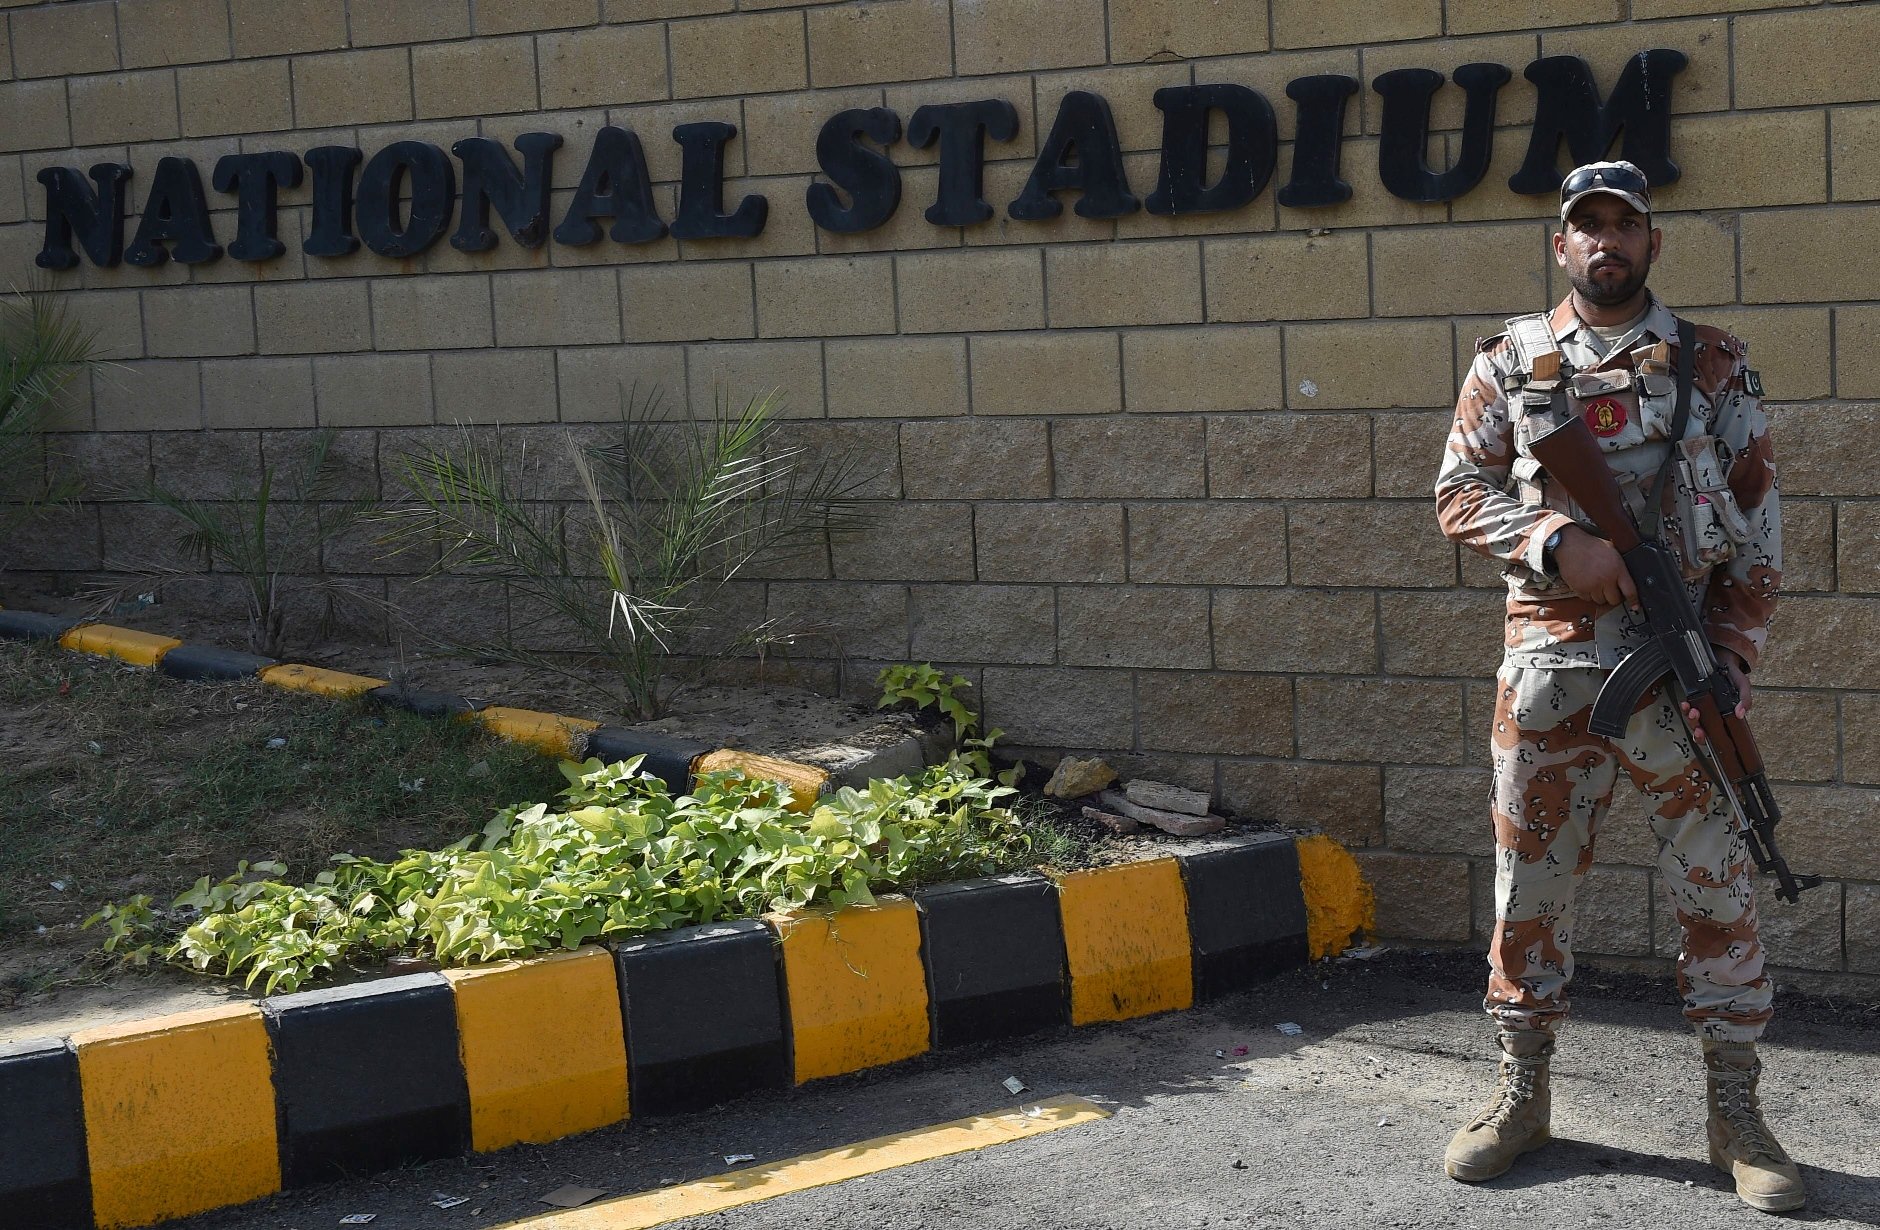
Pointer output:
x,y
433,189
96,217
702,187
1569,107
1318,141
254,179
1084,128
962,129
869,176
1402,151
331,232
520,197
1252,148
617,185
175,213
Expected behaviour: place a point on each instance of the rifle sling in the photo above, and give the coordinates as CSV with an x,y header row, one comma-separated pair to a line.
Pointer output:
x,y
1680,419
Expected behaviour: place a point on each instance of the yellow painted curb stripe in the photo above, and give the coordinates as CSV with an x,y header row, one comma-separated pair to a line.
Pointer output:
x,y
805,782
1126,938
542,1045
857,989
756,1183
1339,904
179,1114
318,680
124,644
546,732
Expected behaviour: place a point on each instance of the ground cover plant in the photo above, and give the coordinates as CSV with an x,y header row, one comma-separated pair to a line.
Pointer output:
x,y
621,856
116,781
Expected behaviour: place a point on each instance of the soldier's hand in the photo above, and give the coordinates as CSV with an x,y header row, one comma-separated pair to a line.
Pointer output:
x,y
1734,664
1593,569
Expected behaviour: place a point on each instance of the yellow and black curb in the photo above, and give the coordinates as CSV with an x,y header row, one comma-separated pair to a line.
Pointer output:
x,y
128,1125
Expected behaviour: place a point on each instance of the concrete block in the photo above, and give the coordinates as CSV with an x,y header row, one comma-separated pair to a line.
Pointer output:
x,y
138,106
243,96
251,392
994,954
283,27
902,40
980,623
976,459
602,66
1391,720
738,54
1155,282
1117,458
897,377
1060,707
65,40
1056,541
595,382
570,307
148,395
161,32
379,25
313,317
477,77
1419,897
959,292
1212,368
1021,35
432,313
1047,373
1304,23
1213,714
926,541
1287,277
704,1016
687,303
1795,59
1408,549
1343,800
42,1134
1185,29
368,1077
372,390
828,297
1154,626
1213,543
350,87
742,371
1246,913
187,322
509,16
1271,456
495,386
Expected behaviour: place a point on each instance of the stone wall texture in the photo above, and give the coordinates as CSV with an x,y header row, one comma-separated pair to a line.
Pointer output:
x,y
1159,486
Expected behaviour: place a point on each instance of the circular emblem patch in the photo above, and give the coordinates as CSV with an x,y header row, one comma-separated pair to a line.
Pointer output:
x,y
1606,416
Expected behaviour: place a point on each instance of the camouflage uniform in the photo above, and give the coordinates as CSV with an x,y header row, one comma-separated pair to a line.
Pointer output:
x,y
1553,779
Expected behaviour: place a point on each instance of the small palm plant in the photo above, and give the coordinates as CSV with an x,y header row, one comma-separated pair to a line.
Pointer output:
x,y
42,349
635,574
269,537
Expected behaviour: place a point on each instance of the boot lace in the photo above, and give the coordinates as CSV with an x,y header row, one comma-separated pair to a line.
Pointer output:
x,y
1518,1073
1736,1101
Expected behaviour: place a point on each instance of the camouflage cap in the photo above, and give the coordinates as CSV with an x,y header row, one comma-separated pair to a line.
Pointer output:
x,y
1620,179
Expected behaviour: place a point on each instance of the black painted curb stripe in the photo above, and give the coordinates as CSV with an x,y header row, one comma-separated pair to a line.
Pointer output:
x,y
45,1182
32,626
207,664
1246,912
668,758
994,956
367,1078
423,703
706,1016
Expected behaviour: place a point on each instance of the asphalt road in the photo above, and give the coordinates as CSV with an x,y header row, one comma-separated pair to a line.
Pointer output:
x,y
1341,1125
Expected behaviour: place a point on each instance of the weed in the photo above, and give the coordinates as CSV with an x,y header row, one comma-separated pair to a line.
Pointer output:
x,y
41,351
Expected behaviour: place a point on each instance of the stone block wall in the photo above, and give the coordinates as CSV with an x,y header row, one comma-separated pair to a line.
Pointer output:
x,y
1159,485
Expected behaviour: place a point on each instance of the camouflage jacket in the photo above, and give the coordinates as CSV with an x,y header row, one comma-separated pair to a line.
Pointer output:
x,y
1721,513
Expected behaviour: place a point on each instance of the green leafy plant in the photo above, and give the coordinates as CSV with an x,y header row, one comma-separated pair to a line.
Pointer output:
x,y
42,349
927,687
622,857
269,536
635,576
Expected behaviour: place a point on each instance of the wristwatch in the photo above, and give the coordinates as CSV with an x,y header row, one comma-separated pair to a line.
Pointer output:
x,y
1547,549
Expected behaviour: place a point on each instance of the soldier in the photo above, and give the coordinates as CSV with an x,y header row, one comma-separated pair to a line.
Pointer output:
x,y
1572,618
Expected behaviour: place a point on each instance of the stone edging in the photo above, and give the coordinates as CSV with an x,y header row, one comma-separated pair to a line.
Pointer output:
x,y
127,1125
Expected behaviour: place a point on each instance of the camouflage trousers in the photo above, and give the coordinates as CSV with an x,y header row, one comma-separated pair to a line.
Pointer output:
x,y
1553,784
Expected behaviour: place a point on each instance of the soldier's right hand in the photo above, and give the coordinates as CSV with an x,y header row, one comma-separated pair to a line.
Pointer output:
x,y
1593,569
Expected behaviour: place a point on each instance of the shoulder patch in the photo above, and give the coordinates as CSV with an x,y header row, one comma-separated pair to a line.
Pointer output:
x,y
1752,382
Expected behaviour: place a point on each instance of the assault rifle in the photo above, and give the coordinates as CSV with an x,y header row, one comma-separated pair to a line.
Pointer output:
x,y
1678,648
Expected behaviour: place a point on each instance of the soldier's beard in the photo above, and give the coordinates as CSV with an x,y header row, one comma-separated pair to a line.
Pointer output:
x,y
1611,294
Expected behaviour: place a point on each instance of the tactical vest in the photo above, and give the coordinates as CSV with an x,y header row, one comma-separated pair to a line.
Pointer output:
x,y
1629,403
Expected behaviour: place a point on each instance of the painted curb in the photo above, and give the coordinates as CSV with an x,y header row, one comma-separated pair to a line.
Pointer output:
x,y
177,1115
207,664
1027,991
677,762
367,1077
43,1181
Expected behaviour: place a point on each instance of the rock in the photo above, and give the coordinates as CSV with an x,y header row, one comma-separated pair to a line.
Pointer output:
x,y
1171,822
1161,795
1075,778
1110,820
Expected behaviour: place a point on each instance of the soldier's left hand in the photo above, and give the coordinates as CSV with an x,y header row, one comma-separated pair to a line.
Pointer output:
x,y
1734,664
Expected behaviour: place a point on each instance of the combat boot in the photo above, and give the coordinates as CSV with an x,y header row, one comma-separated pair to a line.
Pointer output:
x,y
1515,1120
1741,1144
